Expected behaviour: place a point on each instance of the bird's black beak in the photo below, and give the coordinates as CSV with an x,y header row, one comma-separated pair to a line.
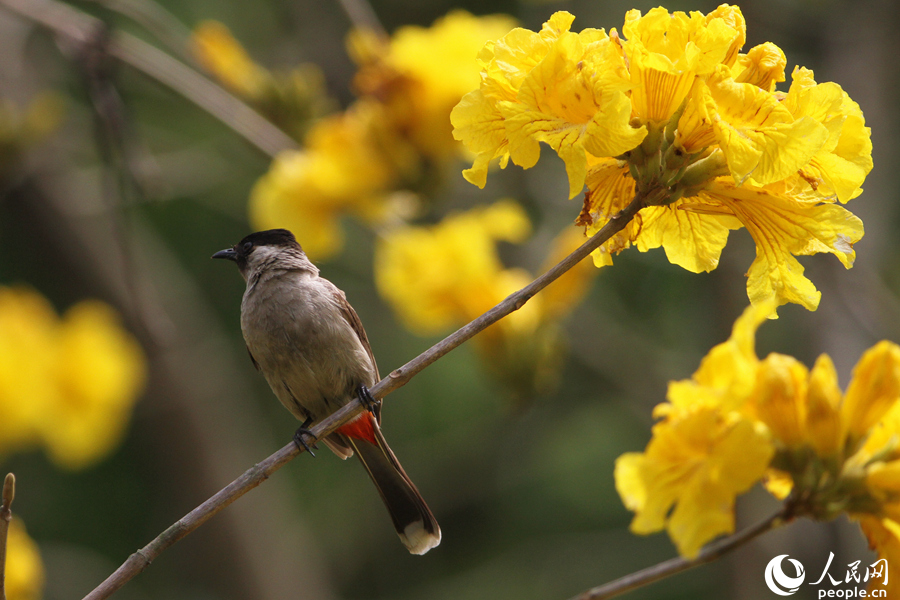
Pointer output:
x,y
228,253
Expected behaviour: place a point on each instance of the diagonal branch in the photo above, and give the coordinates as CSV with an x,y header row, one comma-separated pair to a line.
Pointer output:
x,y
261,471
76,26
677,565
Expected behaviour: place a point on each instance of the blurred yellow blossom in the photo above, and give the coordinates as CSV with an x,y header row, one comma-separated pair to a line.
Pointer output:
x,y
421,73
292,99
445,275
24,569
675,117
68,383
391,144
341,171
223,56
740,420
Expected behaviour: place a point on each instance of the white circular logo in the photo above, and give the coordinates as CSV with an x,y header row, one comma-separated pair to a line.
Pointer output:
x,y
780,583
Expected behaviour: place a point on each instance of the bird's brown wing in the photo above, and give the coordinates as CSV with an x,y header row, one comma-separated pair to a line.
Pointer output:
x,y
352,318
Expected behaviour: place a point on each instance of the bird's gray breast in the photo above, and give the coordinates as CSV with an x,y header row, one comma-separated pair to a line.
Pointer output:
x,y
311,356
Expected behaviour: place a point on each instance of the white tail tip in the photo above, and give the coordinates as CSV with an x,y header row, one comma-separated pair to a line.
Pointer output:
x,y
419,540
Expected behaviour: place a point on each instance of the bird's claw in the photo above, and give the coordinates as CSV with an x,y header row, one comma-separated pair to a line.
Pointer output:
x,y
301,443
366,399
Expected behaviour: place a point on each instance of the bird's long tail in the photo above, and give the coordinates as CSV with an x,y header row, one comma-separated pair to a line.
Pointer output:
x,y
416,526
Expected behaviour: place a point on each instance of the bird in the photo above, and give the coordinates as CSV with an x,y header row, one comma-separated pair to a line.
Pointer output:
x,y
310,345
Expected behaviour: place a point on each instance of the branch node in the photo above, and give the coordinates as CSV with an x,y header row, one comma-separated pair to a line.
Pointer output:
x,y
9,493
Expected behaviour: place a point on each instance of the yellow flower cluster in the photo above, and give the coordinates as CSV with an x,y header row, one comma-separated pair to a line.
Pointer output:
x,y
740,419
68,383
291,99
24,569
675,117
394,137
446,275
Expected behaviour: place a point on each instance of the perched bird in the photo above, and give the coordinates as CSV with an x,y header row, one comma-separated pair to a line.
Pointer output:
x,y
310,345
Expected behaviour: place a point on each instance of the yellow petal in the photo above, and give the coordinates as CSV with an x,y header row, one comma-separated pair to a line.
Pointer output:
x,y
691,240
731,366
24,568
224,57
884,537
478,124
666,52
778,483
563,104
447,274
697,462
779,398
874,389
760,137
884,476
101,371
841,166
610,189
782,227
763,66
706,509
822,417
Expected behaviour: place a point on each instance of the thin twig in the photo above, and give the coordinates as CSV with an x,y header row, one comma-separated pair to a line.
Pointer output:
x,y
153,17
76,26
363,16
677,565
9,492
141,559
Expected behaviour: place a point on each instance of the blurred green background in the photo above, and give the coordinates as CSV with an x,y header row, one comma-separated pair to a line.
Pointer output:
x,y
523,491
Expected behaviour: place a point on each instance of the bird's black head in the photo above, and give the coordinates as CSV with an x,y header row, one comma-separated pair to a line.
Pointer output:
x,y
272,239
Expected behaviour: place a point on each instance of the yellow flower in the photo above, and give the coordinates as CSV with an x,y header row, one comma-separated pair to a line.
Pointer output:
x,y
68,383
445,275
562,88
448,274
690,128
340,171
391,143
24,569
224,57
739,418
100,373
705,450
697,462
291,99
27,358
421,73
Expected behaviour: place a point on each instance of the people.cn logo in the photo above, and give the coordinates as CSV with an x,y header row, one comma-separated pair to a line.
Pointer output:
x,y
778,581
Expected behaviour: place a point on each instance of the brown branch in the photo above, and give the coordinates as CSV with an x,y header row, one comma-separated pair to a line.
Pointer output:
x,y
76,26
677,565
141,559
9,492
158,21
363,16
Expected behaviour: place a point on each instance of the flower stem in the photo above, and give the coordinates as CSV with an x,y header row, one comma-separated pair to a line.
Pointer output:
x,y
677,565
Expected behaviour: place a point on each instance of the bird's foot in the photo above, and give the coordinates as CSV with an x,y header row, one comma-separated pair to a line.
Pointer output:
x,y
304,431
366,399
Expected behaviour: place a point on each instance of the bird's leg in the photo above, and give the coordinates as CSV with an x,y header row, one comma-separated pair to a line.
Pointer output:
x,y
304,430
367,399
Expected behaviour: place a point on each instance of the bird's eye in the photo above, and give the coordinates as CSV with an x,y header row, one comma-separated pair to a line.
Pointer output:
x,y
247,247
